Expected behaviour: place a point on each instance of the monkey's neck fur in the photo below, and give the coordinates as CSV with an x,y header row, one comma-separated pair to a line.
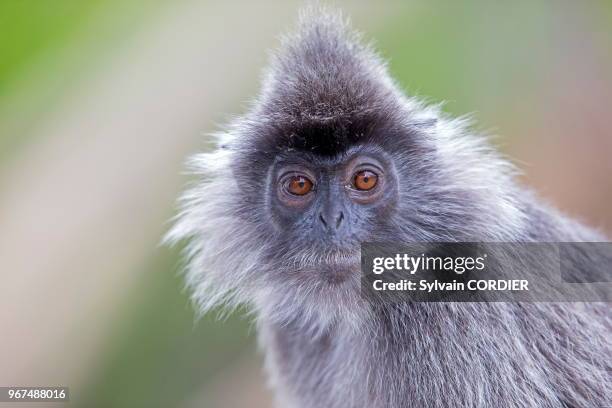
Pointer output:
x,y
326,347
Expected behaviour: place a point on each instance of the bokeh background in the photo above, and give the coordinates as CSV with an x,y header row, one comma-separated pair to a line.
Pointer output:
x,y
102,100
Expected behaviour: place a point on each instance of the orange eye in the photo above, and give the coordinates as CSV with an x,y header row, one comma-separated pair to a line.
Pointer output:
x,y
365,180
299,185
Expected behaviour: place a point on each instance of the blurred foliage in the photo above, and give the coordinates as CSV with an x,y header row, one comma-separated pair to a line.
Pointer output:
x,y
160,354
459,52
47,46
31,27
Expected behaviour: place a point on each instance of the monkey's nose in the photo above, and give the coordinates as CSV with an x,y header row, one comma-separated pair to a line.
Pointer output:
x,y
336,221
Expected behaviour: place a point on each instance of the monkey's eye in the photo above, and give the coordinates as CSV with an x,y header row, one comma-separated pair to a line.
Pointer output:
x,y
298,185
365,180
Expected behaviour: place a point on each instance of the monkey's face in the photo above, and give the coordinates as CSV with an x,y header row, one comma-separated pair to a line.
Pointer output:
x,y
312,212
331,204
323,207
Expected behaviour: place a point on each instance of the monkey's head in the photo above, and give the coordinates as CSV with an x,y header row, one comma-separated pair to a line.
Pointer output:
x,y
331,155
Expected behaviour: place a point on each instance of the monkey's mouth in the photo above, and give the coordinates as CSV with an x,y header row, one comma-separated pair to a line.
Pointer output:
x,y
333,267
339,267
338,273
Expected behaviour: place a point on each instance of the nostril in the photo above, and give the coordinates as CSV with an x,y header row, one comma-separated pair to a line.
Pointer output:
x,y
339,220
322,220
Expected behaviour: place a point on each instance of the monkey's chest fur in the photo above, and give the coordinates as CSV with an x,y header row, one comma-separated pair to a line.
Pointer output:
x,y
444,355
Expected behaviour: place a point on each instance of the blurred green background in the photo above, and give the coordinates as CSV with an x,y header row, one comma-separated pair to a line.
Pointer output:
x,y
102,100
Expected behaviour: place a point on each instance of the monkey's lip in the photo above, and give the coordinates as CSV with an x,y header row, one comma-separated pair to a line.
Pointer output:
x,y
344,263
333,267
340,257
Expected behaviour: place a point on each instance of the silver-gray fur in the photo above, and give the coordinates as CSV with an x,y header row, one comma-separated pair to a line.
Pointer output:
x,y
325,346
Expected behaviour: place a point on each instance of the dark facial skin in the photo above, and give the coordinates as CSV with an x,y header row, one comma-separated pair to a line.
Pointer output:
x,y
337,201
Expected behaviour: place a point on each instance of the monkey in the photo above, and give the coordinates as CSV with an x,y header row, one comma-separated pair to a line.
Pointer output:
x,y
332,153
